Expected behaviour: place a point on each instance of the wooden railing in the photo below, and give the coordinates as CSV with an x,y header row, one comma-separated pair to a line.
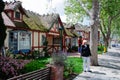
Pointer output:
x,y
42,74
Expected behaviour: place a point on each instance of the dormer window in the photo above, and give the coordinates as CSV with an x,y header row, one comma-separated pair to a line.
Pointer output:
x,y
17,15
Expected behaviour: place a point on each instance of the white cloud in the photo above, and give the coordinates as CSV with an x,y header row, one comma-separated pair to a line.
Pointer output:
x,y
63,17
35,5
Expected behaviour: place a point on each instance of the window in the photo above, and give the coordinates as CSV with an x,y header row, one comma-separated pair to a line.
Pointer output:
x,y
43,40
24,40
56,41
17,15
13,36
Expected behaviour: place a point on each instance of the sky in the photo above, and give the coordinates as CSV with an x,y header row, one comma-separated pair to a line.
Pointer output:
x,y
44,6
47,6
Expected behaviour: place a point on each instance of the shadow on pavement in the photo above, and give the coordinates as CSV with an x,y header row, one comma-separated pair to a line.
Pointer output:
x,y
89,78
112,62
114,54
96,72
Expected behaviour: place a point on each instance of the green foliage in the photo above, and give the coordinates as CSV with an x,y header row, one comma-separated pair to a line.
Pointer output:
x,y
75,48
116,28
35,65
9,54
75,11
45,48
109,15
35,54
73,66
100,49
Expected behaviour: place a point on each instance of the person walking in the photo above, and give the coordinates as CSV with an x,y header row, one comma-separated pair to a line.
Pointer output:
x,y
86,53
79,44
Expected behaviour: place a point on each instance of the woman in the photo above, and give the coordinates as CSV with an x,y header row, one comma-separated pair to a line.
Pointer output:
x,y
85,53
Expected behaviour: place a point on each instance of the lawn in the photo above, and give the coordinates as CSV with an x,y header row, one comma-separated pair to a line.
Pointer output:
x,y
36,64
73,66
76,63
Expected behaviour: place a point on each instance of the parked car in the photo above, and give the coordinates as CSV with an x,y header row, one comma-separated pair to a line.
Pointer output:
x,y
114,45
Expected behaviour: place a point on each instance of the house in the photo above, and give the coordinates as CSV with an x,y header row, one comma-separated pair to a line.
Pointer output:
x,y
72,36
55,35
27,30
17,30
84,31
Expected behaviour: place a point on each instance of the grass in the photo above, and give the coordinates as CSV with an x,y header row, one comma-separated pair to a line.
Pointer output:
x,y
73,66
77,64
35,65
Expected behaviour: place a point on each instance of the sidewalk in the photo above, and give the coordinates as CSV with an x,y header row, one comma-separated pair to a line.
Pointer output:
x,y
109,68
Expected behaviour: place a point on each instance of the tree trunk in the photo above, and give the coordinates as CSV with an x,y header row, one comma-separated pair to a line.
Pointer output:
x,y
106,42
93,45
94,32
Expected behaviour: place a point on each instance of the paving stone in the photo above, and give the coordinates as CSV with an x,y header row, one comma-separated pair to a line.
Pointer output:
x,y
109,68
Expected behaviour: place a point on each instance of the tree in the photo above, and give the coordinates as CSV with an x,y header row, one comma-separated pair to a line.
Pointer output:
x,y
2,26
86,8
109,17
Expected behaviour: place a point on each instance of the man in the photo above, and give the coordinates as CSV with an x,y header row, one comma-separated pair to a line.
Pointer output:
x,y
85,53
79,44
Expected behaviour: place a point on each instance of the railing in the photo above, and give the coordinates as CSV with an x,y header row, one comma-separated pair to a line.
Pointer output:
x,y
42,74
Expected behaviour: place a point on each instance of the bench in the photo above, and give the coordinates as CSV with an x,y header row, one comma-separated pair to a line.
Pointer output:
x,y
42,74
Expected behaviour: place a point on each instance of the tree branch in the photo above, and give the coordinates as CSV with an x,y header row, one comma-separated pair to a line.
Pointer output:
x,y
109,26
83,6
113,17
102,25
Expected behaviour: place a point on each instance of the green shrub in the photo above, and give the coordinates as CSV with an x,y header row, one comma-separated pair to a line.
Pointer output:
x,y
35,64
73,66
75,48
100,49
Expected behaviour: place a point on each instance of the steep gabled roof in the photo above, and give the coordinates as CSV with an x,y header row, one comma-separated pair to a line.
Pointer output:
x,y
14,6
81,27
21,24
49,19
68,33
69,25
7,20
33,21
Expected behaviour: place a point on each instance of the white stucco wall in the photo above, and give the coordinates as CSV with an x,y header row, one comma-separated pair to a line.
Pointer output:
x,y
7,38
35,38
